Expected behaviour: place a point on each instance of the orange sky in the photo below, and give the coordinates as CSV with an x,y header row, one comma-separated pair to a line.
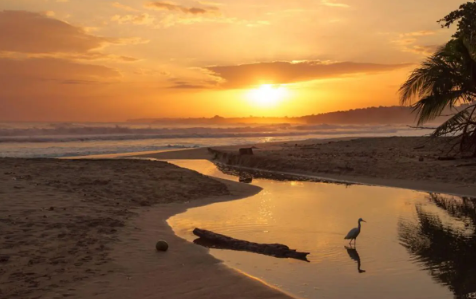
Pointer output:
x,y
97,60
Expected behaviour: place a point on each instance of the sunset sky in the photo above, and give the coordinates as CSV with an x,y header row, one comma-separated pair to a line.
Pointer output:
x,y
98,60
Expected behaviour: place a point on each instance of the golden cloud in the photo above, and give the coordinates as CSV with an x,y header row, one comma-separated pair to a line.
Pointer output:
x,y
21,72
169,6
27,32
248,75
331,3
409,42
123,6
140,19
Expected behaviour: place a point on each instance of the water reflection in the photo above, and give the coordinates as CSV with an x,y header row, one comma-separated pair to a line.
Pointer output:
x,y
444,242
354,255
314,217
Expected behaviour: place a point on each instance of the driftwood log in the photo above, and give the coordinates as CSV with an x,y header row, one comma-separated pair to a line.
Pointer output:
x,y
213,240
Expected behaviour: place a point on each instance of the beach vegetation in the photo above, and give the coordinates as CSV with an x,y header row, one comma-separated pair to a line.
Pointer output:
x,y
447,81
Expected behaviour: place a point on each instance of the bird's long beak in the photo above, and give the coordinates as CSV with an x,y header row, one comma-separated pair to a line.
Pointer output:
x,y
364,221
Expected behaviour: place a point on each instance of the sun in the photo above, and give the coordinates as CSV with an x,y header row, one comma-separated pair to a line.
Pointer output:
x,y
267,95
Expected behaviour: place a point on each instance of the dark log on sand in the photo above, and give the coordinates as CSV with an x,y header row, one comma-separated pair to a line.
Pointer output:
x,y
213,240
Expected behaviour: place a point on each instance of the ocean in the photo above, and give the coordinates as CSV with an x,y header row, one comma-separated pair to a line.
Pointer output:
x,y
54,140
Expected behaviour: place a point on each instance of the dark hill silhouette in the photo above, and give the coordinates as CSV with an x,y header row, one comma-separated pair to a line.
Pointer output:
x,y
371,115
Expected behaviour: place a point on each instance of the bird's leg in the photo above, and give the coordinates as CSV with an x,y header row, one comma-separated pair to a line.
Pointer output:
x,y
355,242
350,243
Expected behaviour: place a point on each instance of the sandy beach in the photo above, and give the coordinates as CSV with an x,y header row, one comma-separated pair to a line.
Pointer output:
x,y
87,228
418,163
81,229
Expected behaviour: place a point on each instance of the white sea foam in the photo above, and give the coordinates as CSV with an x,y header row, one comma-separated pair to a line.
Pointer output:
x,y
78,139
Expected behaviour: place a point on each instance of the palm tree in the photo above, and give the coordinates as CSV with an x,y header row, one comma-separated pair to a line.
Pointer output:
x,y
447,79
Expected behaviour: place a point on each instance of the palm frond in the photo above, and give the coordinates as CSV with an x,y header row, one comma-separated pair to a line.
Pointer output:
x,y
432,106
455,124
445,79
421,80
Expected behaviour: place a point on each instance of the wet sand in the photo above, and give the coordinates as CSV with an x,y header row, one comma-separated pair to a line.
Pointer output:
x,y
184,271
402,162
87,229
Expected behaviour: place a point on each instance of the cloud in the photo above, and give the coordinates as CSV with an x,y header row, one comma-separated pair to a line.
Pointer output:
x,y
27,32
210,3
123,7
181,15
258,24
247,75
418,33
78,82
15,73
334,4
49,13
184,85
192,82
132,41
49,67
125,58
140,19
423,50
42,56
89,56
409,42
175,19
169,6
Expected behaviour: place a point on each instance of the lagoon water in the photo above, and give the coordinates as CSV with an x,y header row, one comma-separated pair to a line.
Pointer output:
x,y
414,244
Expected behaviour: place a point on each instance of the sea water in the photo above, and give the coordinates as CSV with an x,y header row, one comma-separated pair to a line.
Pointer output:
x,y
48,140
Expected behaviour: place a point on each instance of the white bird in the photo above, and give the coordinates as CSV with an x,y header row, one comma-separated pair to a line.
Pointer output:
x,y
354,233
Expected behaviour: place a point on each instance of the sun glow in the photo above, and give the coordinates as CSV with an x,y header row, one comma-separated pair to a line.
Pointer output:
x,y
267,95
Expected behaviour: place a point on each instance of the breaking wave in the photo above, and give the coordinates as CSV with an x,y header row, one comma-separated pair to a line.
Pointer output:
x,y
70,133
83,139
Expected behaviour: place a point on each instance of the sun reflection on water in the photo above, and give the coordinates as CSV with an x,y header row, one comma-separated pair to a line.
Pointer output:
x,y
407,232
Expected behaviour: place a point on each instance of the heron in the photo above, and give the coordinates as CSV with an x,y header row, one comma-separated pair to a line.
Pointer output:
x,y
354,233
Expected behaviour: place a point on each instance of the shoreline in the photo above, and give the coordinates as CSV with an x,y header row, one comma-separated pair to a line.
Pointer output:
x,y
430,187
88,228
231,153
200,276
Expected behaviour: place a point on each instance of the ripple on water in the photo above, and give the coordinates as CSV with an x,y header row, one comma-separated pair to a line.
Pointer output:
x,y
414,245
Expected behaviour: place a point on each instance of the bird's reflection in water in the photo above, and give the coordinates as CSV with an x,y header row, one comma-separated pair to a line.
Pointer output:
x,y
443,242
353,254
